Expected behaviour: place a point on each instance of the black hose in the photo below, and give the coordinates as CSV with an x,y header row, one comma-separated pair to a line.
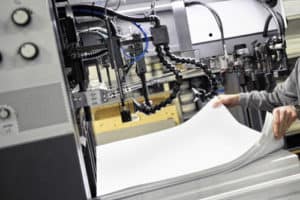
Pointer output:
x,y
267,24
278,20
281,22
92,10
88,54
268,21
175,90
80,13
281,28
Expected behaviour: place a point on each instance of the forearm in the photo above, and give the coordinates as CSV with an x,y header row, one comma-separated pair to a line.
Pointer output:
x,y
283,94
260,100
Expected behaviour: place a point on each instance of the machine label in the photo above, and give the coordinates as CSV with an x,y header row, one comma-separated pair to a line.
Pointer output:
x,y
93,98
8,121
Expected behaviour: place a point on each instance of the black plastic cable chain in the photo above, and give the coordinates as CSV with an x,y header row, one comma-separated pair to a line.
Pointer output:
x,y
193,61
185,60
176,87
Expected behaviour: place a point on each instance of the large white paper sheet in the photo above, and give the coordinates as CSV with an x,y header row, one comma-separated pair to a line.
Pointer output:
x,y
209,143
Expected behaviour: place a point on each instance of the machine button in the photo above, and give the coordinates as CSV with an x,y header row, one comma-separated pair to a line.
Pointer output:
x,y
21,16
0,57
29,51
4,113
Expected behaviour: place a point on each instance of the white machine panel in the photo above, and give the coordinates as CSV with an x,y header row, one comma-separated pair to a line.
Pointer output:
x,y
239,17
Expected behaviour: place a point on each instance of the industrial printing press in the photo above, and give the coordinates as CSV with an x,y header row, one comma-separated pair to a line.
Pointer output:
x,y
63,63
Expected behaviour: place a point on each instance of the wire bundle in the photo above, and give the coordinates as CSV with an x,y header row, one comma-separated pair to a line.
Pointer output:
x,y
104,12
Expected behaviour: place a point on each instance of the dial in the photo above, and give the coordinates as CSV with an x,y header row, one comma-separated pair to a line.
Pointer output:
x,y
4,113
29,51
21,16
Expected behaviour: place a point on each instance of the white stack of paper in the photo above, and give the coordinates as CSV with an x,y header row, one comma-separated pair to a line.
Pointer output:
x,y
210,143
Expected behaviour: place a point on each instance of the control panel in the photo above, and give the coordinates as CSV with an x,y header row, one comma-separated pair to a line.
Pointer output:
x,y
32,91
36,124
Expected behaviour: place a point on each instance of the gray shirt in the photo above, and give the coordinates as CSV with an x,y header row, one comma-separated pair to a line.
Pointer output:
x,y
286,93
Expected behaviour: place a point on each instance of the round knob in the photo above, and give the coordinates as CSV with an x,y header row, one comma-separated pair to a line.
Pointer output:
x,y
21,16
29,51
4,113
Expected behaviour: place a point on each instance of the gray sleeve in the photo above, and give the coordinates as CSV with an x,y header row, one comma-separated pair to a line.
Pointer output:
x,y
284,94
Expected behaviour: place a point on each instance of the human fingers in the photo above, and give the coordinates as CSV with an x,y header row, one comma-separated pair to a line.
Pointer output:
x,y
293,115
227,100
219,101
284,118
276,122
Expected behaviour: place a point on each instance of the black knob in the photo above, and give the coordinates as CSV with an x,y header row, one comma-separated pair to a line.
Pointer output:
x,y
21,16
0,57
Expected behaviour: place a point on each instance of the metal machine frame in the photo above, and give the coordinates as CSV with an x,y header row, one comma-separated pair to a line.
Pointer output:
x,y
47,145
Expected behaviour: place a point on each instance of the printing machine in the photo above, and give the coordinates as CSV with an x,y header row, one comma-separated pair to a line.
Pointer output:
x,y
47,142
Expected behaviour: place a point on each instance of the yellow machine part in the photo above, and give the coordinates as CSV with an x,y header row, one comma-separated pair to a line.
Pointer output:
x,y
107,118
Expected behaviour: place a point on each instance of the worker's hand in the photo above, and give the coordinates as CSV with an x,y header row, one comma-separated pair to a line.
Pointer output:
x,y
284,116
228,100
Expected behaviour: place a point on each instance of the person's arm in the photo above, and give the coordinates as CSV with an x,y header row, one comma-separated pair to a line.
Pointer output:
x,y
284,94
280,101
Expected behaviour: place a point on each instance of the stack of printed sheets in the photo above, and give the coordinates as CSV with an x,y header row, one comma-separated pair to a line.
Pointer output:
x,y
212,142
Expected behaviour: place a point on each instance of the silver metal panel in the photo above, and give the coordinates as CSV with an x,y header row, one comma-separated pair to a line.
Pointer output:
x,y
214,48
282,188
239,18
182,27
34,88
35,107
